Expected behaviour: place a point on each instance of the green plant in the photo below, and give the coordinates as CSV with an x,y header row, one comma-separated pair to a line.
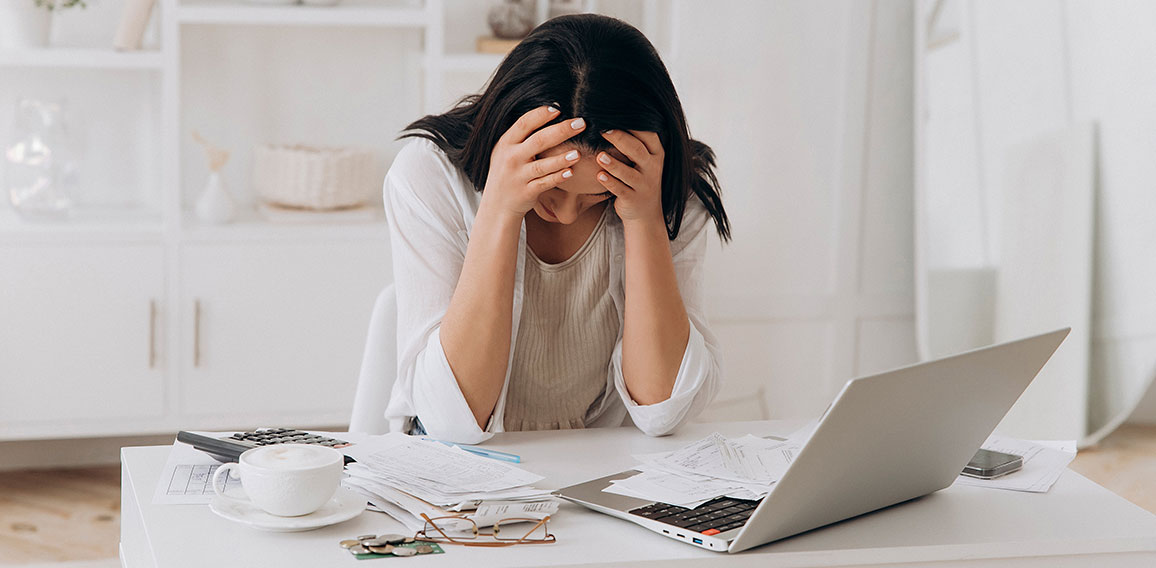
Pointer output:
x,y
59,4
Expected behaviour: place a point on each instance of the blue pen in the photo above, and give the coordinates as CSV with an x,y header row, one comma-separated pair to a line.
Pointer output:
x,y
492,454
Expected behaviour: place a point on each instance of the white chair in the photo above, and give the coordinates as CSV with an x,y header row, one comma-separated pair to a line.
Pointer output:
x,y
378,367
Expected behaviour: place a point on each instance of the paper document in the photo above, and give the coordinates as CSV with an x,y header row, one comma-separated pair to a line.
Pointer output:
x,y
716,466
187,478
1044,462
407,476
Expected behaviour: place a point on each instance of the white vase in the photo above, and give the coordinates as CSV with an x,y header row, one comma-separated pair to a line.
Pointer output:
x,y
23,24
215,206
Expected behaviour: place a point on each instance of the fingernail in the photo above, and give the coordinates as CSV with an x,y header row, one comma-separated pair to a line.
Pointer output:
x,y
567,173
573,155
604,159
552,110
579,123
611,131
602,177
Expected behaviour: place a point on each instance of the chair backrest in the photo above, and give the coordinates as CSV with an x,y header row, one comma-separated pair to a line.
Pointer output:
x,y
378,367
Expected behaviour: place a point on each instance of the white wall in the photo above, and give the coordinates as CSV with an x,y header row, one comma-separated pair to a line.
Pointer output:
x,y
1113,82
1037,67
809,108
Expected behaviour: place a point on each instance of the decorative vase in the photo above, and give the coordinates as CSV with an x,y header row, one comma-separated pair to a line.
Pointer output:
x,y
215,205
512,19
39,170
23,24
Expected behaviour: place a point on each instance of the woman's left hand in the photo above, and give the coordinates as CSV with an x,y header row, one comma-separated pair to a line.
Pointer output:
x,y
638,189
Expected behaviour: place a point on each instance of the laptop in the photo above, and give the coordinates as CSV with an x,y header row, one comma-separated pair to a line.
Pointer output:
x,y
885,439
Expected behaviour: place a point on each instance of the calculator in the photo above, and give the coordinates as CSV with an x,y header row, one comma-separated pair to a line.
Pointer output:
x,y
229,448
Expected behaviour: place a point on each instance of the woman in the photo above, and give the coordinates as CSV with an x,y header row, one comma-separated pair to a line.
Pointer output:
x,y
548,238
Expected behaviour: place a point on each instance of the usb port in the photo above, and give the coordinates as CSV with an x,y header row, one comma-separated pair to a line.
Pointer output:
x,y
697,540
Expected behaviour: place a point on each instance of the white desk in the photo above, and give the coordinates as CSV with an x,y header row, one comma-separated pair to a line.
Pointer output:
x,y
1078,523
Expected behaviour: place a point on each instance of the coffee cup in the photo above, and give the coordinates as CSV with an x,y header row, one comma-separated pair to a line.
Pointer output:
x,y
286,480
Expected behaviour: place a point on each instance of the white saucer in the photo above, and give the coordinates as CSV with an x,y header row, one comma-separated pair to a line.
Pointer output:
x,y
344,505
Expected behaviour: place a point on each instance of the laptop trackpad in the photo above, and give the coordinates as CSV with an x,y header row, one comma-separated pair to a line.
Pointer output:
x,y
591,492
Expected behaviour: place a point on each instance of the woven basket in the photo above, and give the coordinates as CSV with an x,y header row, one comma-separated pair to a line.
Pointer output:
x,y
314,177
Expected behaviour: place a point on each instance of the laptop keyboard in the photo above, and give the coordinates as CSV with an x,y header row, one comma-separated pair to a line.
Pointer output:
x,y
710,518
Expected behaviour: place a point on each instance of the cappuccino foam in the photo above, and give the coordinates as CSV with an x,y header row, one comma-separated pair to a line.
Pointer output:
x,y
291,456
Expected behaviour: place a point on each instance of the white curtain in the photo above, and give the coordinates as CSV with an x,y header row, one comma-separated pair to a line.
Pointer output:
x,y
1036,197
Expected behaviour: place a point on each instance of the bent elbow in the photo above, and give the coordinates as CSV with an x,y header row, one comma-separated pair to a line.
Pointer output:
x,y
657,429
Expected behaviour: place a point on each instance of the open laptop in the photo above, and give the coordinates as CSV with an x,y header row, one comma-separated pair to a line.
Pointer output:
x,y
885,439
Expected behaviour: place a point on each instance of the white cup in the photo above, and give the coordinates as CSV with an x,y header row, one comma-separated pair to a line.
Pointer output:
x,y
287,480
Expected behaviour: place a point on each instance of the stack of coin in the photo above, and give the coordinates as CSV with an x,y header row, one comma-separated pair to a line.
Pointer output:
x,y
386,544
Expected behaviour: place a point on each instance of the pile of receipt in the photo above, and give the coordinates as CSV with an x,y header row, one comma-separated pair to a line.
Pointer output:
x,y
716,466
406,476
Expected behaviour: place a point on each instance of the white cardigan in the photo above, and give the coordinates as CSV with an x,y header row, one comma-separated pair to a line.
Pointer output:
x,y
430,206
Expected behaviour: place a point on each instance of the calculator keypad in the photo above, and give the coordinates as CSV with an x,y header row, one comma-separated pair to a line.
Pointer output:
x,y
270,436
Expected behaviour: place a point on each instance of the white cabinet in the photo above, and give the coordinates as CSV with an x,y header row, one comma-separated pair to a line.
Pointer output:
x,y
81,334
274,332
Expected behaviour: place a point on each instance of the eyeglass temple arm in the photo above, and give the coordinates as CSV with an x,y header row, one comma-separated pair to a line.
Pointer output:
x,y
540,522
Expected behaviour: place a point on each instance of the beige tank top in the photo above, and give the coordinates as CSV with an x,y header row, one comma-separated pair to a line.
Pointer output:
x,y
565,339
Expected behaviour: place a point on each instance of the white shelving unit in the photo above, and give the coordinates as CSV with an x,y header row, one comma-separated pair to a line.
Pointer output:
x,y
186,313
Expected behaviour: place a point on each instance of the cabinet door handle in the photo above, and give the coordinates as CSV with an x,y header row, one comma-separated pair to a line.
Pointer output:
x,y
197,332
152,334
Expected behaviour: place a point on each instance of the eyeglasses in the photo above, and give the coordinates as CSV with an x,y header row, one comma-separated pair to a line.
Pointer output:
x,y
505,532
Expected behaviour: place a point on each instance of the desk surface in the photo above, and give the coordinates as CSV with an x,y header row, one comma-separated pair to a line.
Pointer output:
x,y
951,527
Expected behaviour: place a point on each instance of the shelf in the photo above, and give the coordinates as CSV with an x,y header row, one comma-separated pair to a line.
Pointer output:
x,y
474,62
395,15
250,226
84,224
90,58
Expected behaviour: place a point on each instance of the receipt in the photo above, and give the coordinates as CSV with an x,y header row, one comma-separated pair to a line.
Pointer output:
x,y
490,512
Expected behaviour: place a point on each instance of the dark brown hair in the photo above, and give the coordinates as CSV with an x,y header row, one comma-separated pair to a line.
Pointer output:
x,y
598,68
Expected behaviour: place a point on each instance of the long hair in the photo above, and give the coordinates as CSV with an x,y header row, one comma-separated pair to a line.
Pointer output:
x,y
598,68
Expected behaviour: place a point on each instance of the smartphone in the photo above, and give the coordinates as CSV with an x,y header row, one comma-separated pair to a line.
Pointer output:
x,y
987,464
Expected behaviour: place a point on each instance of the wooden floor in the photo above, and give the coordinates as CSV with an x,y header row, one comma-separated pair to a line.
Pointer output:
x,y
58,515
74,514
1125,462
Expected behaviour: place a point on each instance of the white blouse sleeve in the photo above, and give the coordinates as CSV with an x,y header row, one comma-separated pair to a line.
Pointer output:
x,y
699,373
428,237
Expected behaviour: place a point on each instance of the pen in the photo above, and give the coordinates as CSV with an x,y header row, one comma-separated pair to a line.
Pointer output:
x,y
492,454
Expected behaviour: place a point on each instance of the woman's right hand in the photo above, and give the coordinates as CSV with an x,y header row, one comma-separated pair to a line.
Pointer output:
x,y
517,176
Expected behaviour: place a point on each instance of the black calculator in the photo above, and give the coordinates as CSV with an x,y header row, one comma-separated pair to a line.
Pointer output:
x,y
229,448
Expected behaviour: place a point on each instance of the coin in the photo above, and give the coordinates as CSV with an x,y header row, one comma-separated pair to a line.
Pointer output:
x,y
423,549
392,538
404,551
358,550
374,542
348,543
408,539
386,549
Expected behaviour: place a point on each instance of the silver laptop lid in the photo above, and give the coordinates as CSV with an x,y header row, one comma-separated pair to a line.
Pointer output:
x,y
898,435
